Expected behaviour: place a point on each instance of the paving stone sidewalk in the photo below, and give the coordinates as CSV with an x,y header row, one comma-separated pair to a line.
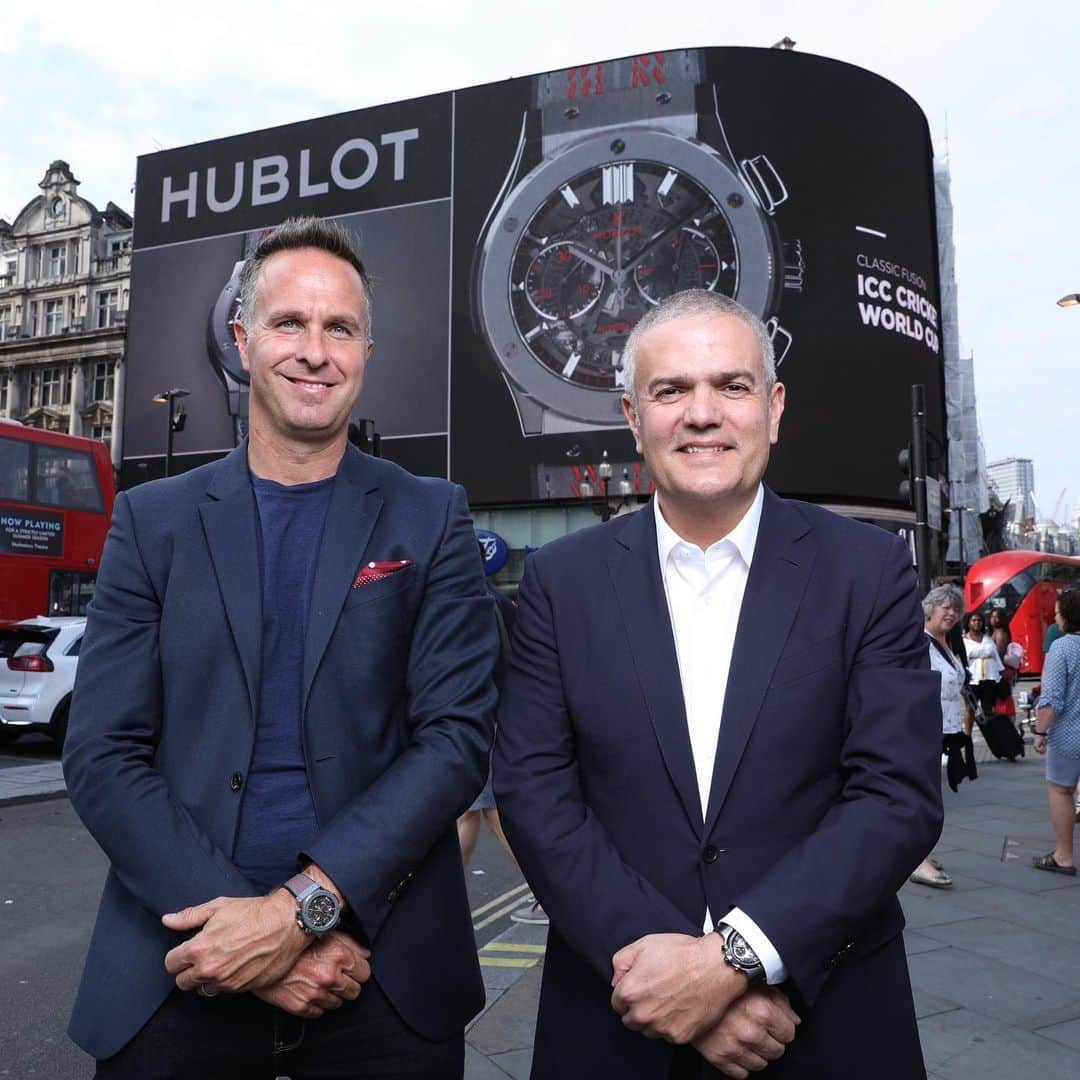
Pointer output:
x,y
995,961
29,783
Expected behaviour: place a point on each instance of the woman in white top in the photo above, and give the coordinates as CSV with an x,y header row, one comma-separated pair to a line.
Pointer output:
x,y
942,608
983,661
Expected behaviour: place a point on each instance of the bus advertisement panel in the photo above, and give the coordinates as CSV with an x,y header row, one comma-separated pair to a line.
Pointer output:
x,y
517,231
56,501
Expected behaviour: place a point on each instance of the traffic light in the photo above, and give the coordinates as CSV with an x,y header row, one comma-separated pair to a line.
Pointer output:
x,y
178,419
907,470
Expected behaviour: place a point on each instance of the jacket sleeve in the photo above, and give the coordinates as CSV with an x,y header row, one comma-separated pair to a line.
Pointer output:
x,y
372,845
597,901
160,854
814,903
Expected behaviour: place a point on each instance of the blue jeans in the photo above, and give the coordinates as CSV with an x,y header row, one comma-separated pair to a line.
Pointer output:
x,y
240,1037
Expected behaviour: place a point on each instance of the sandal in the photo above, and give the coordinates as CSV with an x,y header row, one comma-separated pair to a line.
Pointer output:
x,y
1048,862
940,880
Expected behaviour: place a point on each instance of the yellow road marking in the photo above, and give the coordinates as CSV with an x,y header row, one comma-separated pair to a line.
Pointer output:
x,y
498,914
499,899
507,962
509,946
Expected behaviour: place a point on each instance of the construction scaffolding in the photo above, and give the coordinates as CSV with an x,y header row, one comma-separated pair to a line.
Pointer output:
x,y
968,491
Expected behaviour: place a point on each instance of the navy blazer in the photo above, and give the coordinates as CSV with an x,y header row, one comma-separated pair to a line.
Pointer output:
x,y
398,705
825,792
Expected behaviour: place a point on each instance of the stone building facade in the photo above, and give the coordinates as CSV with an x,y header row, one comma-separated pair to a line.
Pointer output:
x,y
65,272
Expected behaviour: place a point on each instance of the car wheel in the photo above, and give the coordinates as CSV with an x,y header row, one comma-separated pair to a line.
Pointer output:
x,y
59,723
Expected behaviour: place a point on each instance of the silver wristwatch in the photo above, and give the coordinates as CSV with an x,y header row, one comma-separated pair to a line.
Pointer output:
x,y
637,195
738,954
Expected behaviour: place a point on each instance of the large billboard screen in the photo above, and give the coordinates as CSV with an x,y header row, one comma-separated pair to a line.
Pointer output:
x,y
517,231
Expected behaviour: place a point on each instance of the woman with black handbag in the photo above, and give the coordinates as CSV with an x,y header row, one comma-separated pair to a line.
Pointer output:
x,y
942,608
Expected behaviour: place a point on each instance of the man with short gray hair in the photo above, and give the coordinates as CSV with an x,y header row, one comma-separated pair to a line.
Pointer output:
x,y
719,716
284,701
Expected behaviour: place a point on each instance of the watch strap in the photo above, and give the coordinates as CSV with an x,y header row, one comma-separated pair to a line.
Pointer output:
x,y
578,100
300,885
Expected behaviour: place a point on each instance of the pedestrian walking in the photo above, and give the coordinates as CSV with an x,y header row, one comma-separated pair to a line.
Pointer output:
x,y
943,607
483,809
985,668
1057,732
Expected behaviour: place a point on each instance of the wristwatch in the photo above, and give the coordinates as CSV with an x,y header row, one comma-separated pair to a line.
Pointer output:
x,y
221,343
638,195
318,910
738,954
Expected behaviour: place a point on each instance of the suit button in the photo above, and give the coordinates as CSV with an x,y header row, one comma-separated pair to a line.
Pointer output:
x,y
237,781
709,854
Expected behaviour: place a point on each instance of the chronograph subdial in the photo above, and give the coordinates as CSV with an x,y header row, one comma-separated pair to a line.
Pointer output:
x,y
688,260
560,284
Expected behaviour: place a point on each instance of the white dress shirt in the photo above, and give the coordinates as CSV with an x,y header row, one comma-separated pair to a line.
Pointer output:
x,y
704,592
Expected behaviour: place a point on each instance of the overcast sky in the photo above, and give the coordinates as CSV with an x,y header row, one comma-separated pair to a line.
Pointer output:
x,y
998,81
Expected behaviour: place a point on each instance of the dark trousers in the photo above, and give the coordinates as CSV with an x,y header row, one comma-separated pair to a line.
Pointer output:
x,y
240,1037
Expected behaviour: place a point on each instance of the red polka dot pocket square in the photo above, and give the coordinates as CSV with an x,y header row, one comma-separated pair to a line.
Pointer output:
x,y
375,571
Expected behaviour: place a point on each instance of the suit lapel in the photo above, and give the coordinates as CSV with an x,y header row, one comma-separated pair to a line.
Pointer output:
x,y
229,523
350,518
781,567
635,574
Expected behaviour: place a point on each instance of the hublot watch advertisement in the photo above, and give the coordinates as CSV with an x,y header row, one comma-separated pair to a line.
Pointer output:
x,y
516,233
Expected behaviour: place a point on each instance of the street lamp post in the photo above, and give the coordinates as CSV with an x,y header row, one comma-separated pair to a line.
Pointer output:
x,y
176,419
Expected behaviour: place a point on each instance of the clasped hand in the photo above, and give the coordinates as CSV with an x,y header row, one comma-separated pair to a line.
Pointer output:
x,y
679,988
254,944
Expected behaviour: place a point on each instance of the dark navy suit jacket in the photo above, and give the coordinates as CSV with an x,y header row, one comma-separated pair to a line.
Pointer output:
x,y
398,705
825,793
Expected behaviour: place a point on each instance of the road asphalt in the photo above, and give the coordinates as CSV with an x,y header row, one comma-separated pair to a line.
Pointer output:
x,y
995,960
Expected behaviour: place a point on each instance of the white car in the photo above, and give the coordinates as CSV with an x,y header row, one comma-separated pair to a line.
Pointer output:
x,y
38,658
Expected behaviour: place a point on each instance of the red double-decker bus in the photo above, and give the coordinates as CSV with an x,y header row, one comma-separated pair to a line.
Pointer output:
x,y
1023,584
56,501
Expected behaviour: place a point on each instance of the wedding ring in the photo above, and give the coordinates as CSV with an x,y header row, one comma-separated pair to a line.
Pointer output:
x,y
203,992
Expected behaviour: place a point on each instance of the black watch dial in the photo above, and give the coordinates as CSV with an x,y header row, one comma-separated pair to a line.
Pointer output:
x,y
321,911
604,248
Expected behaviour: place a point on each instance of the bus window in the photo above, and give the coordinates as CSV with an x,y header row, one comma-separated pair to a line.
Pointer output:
x,y
14,470
70,592
66,478
1009,595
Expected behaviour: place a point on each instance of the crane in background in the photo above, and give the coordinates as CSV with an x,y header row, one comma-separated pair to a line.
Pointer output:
x,y
1058,505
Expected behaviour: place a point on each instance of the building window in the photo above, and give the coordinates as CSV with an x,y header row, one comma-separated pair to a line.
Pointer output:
x,y
52,386
31,319
54,316
57,260
5,323
102,432
106,309
103,382
4,380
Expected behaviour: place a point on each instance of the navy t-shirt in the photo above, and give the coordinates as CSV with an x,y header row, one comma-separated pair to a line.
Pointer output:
x,y
277,815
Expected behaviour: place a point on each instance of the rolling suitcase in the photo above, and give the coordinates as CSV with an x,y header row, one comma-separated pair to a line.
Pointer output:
x,y
1001,735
